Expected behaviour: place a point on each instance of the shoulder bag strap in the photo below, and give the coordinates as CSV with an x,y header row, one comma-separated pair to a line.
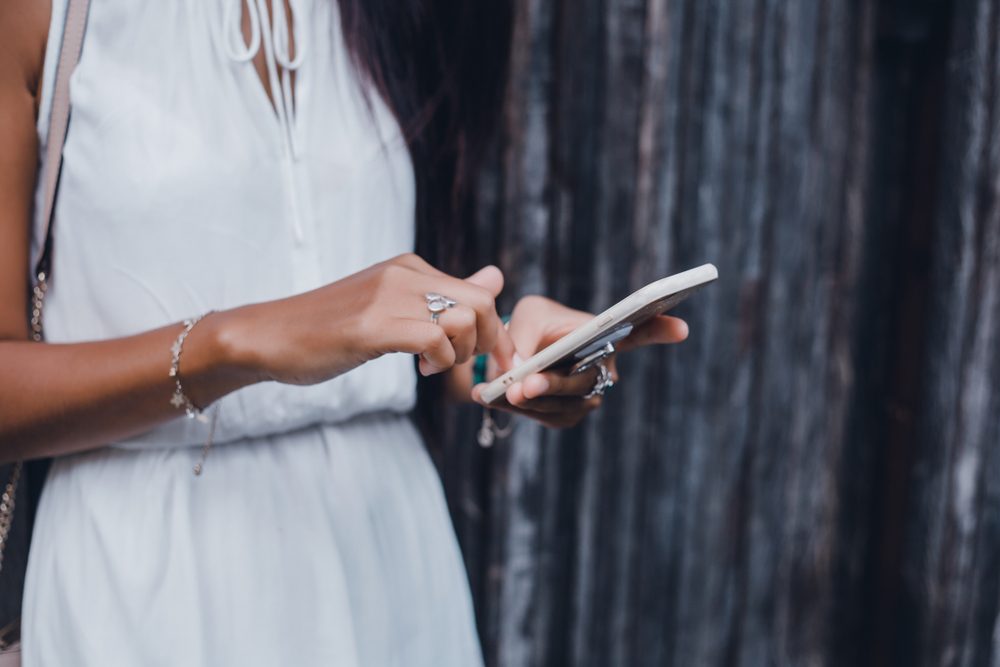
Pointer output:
x,y
69,56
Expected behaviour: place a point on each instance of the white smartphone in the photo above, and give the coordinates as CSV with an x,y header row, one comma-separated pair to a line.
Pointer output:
x,y
586,343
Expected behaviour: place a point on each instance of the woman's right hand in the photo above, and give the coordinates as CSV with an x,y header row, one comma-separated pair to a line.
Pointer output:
x,y
312,337
105,391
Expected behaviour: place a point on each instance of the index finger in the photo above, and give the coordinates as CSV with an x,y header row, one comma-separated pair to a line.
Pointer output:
x,y
481,299
503,350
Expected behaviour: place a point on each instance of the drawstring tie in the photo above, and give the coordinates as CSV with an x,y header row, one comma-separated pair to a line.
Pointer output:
x,y
277,37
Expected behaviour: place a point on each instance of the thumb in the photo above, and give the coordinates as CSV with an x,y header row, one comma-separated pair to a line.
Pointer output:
x,y
489,278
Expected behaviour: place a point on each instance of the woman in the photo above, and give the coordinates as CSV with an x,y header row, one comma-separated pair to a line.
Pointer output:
x,y
234,230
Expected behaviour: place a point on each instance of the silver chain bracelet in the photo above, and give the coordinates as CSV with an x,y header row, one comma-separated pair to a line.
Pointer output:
x,y
180,399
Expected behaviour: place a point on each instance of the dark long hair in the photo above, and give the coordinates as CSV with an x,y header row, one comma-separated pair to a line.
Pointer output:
x,y
441,66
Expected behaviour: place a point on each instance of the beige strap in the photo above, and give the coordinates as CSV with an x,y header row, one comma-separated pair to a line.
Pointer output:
x,y
69,56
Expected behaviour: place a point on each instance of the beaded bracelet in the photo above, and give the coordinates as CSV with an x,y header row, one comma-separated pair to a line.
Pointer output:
x,y
181,400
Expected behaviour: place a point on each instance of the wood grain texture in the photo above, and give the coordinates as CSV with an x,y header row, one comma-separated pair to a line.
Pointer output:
x,y
952,568
696,519
813,478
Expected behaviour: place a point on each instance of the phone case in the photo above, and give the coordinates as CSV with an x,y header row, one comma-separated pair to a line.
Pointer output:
x,y
610,326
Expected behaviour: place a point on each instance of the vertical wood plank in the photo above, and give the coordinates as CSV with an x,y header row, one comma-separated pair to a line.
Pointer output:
x,y
725,505
952,577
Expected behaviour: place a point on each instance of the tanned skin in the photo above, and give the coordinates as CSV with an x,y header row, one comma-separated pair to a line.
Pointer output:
x,y
62,398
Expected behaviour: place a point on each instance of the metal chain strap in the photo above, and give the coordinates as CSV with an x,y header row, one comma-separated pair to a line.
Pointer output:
x,y
37,302
7,508
69,55
9,496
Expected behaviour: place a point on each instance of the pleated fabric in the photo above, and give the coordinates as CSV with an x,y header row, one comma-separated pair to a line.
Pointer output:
x,y
330,545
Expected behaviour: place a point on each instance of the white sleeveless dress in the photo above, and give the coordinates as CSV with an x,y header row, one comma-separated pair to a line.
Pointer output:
x,y
318,533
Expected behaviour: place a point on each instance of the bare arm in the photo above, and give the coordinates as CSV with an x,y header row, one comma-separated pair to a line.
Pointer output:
x,y
23,30
45,390
57,399
61,398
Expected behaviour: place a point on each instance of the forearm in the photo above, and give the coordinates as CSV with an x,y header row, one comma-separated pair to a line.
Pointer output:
x,y
57,399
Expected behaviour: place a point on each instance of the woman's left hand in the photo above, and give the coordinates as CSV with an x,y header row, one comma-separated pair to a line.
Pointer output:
x,y
555,398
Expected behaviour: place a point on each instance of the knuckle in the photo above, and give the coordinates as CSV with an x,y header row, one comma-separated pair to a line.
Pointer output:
x,y
482,300
465,318
429,339
438,337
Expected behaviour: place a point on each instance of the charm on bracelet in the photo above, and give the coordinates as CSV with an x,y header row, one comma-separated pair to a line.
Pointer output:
x,y
180,399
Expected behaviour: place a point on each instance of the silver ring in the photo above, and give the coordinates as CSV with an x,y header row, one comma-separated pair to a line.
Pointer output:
x,y
592,359
437,304
603,381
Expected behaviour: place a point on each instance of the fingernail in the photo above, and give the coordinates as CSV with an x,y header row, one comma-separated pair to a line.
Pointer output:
x,y
427,369
685,329
517,359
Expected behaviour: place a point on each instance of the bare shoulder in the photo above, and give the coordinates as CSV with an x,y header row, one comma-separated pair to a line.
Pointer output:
x,y
24,26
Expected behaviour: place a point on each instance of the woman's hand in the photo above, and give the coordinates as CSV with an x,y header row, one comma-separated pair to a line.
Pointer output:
x,y
555,398
104,391
315,336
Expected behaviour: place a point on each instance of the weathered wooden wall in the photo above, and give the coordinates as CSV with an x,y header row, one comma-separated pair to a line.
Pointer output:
x,y
950,596
813,478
